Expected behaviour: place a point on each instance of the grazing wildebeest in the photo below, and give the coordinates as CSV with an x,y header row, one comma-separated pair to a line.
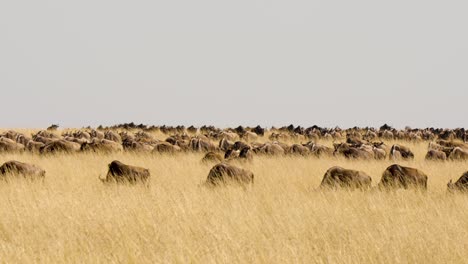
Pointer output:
x,y
352,152
224,173
400,152
212,157
249,136
460,185
396,176
339,177
202,144
458,154
246,153
135,146
34,146
436,155
297,149
8,145
122,173
60,146
166,147
111,135
270,149
29,171
231,153
379,153
102,145
319,150
225,144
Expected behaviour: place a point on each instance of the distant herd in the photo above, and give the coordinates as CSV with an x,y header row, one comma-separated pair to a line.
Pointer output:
x,y
241,144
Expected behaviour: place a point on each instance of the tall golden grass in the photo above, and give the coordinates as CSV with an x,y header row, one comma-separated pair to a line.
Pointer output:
x,y
73,218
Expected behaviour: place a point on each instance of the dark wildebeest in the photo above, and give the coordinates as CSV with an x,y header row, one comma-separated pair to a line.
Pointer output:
x,y
122,173
400,152
339,177
231,153
246,153
28,171
436,155
212,157
223,173
396,176
460,185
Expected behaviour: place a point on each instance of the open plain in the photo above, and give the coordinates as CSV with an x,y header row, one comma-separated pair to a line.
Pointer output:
x,y
283,217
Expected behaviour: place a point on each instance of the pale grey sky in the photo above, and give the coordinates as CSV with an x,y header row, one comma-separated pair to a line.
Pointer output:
x,y
346,63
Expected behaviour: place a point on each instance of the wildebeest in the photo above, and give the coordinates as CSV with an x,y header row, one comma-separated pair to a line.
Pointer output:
x,y
352,152
319,150
34,146
102,145
212,157
8,145
122,173
436,155
270,149
396,176
297,149
339,177
225,144
460,185
202,144
400,152
29,171
111,135
166,147
223,173
60,146
246,153
458,154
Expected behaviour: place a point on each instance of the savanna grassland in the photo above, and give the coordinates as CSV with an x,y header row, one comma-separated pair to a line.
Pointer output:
x,y
72,217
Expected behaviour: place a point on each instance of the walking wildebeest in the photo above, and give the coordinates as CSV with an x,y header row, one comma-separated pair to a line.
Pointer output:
x,y
122,173
339,177
396,176
460,185
223,173
26,170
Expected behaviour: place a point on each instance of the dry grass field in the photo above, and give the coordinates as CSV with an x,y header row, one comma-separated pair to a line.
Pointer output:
x,y
283,218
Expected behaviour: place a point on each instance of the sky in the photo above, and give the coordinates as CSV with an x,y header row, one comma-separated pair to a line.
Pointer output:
x,y
227,63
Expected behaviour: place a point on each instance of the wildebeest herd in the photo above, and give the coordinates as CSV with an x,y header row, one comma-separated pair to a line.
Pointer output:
x,y
221,146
